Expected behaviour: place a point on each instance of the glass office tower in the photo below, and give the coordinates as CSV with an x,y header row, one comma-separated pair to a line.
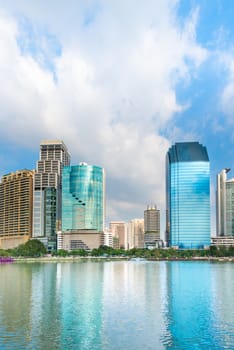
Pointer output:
x,y
83,198
188,196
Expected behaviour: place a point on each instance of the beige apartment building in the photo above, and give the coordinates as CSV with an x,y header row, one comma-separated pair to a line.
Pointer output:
x,y
16,206
135,233
118,230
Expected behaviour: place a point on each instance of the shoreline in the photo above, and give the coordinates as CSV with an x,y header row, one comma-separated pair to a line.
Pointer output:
x,y
117,258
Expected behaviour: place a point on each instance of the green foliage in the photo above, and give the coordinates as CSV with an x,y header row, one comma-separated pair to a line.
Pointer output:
x,y
61,253
79,252
32,248
107,251
4,252
230,251
213,251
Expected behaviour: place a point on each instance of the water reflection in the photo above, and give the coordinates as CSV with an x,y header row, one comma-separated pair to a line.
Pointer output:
x,y
50,306
133,299
45,308
80,293
117,305
192,310
15,294
223,291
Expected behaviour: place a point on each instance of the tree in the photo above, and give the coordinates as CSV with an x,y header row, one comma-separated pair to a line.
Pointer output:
x,y
213,251
61,252
32,248
79,252
4,252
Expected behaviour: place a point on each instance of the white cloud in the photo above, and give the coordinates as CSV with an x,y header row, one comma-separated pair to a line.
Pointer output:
x,y
115,90
227,94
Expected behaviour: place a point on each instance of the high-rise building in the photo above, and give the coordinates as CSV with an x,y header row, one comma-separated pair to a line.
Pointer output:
x,y
108,238
47,188
152,220
152,227
16,197
135,233
225,204
188,195
83,206
118,229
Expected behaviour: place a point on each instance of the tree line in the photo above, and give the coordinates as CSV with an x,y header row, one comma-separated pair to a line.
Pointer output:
x,y
34,248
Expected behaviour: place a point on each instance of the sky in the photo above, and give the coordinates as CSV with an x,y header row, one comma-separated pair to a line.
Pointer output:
x,y
119,82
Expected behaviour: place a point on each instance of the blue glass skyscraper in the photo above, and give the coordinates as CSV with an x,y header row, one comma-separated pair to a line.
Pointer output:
x,y
83,198
188,195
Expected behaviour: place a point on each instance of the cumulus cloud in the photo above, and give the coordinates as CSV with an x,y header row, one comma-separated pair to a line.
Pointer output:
x,y
227,94
108,92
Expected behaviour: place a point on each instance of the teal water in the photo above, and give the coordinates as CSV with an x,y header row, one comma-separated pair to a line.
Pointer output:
x,y
117,305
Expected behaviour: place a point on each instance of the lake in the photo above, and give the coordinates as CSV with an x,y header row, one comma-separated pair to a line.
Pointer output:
x,y
117,305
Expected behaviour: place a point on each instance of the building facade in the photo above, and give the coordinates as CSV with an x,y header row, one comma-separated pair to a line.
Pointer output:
x,y
83,202
108,238
118,230
224,204
135,233
152,227
188,196
152,220
16,199
47,188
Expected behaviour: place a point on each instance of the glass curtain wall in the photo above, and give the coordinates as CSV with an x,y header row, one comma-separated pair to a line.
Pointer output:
x,y
188,196
83,198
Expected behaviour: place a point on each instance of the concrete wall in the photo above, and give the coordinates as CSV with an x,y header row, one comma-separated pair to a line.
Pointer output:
x,y
9,242
90,240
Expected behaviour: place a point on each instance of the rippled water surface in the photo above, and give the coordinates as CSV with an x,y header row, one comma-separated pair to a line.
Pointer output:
x,y
117,305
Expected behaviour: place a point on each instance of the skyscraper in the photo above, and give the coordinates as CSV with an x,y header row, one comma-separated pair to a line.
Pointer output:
x,y
152,227
152,220
188,195
135,233
16,195
225,204
118,229
83,205
47,188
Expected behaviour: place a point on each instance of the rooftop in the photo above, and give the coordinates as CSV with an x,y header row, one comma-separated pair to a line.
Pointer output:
x,y
188,152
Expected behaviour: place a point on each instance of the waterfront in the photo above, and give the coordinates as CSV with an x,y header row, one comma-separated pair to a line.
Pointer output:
x,y
117,305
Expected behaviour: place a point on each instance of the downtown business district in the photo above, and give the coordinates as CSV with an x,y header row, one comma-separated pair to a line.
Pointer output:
x,y
63,206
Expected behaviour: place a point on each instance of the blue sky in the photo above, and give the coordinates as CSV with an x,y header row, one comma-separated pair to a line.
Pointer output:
x,y
119,82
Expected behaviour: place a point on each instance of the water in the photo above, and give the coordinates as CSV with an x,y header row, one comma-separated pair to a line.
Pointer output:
x,y
117,305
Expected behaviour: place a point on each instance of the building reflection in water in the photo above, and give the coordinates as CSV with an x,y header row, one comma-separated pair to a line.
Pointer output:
x,y
51,306
45,311
28,307
79,290
15,296
191,313
133,299
117,305
223,290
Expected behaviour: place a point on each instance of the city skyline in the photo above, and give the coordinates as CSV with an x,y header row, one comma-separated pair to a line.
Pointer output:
x,y
163,225
119,82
